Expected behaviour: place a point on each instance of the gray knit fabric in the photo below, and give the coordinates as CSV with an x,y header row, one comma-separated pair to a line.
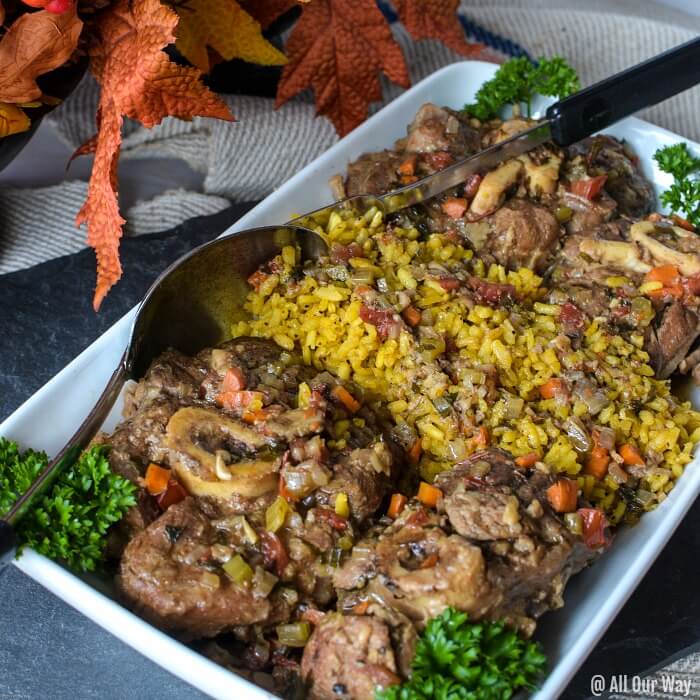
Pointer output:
x,y
249,158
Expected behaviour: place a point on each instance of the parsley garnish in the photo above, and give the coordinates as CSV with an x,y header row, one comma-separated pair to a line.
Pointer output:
x,y
517,81
69,523
683,197
460,660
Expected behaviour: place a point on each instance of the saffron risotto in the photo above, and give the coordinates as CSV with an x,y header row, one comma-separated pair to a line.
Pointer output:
x,y
468,375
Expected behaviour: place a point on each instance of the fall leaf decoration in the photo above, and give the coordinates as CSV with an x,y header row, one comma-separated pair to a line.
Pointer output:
x,y
436,19
267,12
138,81
35,43
337,48
13,120
225,27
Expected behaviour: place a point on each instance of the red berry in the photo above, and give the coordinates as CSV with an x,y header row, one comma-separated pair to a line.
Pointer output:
x,y
36,3
58,7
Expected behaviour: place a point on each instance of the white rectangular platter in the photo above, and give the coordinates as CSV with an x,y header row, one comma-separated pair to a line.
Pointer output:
x,y
594,597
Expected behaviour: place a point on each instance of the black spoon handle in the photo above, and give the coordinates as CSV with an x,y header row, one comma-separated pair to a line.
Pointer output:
x,y
580,115
8,543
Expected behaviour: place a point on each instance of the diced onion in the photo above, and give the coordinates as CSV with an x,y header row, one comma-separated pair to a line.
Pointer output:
x,y
210,581
578,434
574,523
263,581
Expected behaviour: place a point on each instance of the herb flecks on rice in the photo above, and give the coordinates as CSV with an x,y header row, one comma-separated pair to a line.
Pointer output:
x,y
469,373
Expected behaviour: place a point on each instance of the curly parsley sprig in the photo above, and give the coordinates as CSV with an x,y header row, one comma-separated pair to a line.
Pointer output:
x,y
517,81
683,197
460,660
70,522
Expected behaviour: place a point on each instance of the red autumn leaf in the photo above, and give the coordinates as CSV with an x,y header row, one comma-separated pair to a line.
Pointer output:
x,y
35,43
267,12
436,19
140,82
338,48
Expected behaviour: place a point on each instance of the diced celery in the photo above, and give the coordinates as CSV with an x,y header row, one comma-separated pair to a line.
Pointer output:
x,y
294,634
237,569
276,514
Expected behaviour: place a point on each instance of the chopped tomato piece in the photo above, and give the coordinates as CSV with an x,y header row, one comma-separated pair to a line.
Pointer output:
x,y
420,517
341,394
597,463
454,207
562,494
157,479
571,317
411,315
528,460
675,291
491,293
385,320
234,380
594,524
449,283
336,521
438,160
396,505
342,253
471,186
589,188
172,495
428,495
274,552
631,455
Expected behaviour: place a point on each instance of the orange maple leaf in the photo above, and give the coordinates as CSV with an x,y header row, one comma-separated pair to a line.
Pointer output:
x,y
436,19
35,43
267,12
337,48
138,81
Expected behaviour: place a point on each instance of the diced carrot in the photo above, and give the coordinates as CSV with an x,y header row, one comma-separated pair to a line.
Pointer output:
x,y
258,416
396,505
597,463
562,495
360,608
666,274
454,207
630,454
482,438
683,223
408,179
414,454
589,187
429,562
172,495
346,398
232,400
411,315
428,495
234,380
552,387
675,291
157,478
594,524
408,166
257,278
528,460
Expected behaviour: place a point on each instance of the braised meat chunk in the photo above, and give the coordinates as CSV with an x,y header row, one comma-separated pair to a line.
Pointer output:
x,y
169,574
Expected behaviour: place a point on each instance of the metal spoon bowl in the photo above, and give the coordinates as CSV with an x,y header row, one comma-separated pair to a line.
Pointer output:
x,y
192,305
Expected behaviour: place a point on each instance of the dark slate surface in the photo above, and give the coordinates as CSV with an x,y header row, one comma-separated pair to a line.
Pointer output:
x,y
47,650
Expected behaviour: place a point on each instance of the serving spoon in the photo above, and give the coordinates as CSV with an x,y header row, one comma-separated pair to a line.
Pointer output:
x,y
194,303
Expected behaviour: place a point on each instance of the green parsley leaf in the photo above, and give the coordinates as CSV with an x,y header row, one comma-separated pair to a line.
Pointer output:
x,y
70,522
459,660
517,81
683,197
